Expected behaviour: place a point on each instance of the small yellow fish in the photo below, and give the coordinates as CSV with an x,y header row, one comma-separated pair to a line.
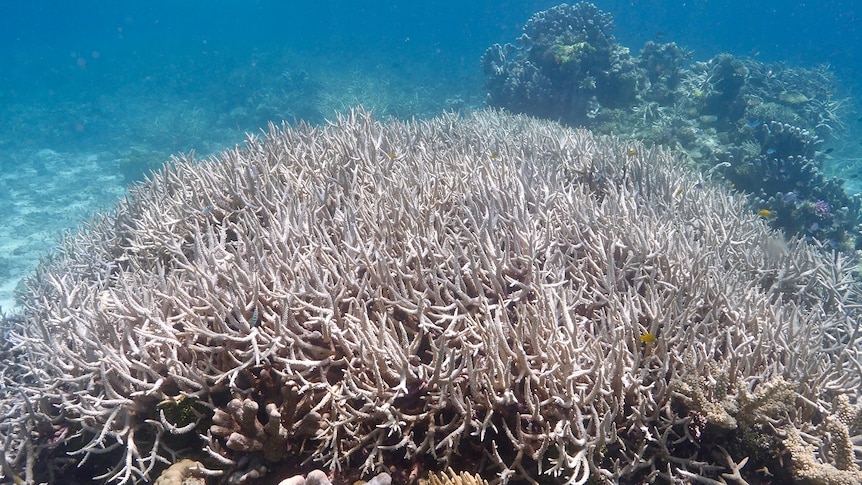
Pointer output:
x,y
495,155
648,338
677,192
392,155
632,152
766,213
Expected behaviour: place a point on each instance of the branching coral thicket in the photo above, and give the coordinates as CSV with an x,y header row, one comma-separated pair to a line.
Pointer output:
x,y
489,291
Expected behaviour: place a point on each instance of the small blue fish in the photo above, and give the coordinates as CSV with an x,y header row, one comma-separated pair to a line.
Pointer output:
x,y
753,123
771,151
814,227
791,197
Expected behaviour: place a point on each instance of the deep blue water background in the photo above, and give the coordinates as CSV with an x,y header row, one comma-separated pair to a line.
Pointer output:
x,y
83,81
75,51
42,35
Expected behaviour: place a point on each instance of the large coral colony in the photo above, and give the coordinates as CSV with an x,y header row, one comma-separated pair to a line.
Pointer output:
x,y
487,293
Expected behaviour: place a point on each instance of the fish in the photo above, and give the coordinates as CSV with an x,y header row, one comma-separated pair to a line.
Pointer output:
x,y
632,152
771,151
752,123
765,213
677,192
648,338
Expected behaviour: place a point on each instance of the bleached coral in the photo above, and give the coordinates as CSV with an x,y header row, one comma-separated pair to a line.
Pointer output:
x,y
366,294
243,431
449,477
807,468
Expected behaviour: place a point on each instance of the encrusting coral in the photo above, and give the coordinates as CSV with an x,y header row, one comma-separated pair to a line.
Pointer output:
x,y
490,293
180,473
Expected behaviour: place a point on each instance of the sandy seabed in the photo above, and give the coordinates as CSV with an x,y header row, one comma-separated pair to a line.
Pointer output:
x,y
42,194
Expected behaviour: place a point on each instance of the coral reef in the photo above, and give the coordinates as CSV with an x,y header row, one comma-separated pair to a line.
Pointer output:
x,y
760,125
722,97
664,67
566,66
787,156
844,423
491,293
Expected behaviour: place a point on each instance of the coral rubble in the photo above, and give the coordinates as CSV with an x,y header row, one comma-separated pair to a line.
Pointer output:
x,y
490,293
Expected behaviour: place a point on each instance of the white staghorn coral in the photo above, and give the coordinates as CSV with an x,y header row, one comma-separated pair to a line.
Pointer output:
x,y
491,288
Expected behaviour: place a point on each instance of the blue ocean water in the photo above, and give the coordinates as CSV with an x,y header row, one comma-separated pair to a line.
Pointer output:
x,y
93,93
